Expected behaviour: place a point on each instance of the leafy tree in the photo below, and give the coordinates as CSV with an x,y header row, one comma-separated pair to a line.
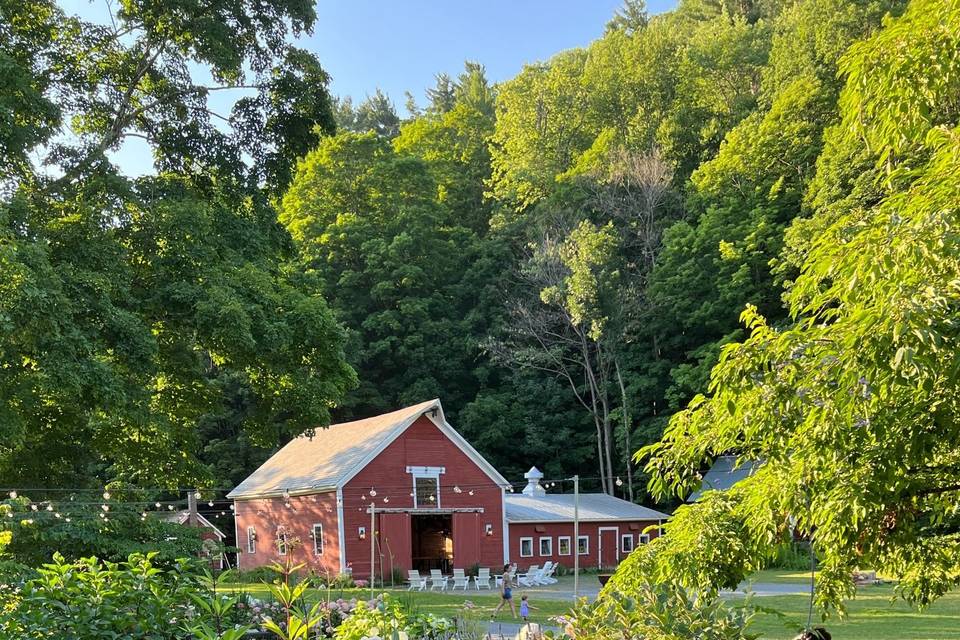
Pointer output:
x,y
124,299
851,406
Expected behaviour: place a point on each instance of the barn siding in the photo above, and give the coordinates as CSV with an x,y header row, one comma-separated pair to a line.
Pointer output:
x,y
268,515
422,445
557,529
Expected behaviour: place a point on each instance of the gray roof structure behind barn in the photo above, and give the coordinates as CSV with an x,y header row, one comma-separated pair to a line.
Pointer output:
x,y
724,474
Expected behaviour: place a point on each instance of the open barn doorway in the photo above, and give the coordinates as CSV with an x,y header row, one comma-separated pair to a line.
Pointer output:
x,y
432,542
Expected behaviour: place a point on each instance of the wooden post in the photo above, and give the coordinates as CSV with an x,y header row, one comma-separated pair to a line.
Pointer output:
x,y
373,547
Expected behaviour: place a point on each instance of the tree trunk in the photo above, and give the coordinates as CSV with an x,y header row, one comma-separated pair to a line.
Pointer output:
x,y
625,412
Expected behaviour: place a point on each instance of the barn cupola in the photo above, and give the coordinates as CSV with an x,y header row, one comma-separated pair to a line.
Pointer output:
x,y
533,488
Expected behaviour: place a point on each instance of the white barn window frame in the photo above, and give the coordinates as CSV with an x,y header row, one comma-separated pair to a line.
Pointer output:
x,y
421,495
626,543
251,540
526,542
549,545
583,545
316,532
563,546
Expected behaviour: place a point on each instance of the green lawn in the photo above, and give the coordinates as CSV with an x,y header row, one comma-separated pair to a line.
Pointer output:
x,y
443,604
871,616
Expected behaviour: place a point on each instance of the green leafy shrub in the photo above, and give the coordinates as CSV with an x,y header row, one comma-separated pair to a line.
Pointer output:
x,y
664,611
88,598
794,556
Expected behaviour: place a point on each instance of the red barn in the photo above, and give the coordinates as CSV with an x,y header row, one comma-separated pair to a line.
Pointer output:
x,y
436,501
436,504
541,526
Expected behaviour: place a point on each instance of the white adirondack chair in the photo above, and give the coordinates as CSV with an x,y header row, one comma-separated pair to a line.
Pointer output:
x,y
546,574
528,579
460,579
417,581
483,578
437,579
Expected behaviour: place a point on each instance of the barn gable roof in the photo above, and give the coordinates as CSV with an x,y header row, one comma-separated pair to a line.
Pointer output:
x,y
332,456
558,507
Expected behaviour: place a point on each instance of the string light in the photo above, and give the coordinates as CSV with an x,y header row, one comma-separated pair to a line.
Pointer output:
x,y
33,507
457,489
471,492
619,482
157,505
105,507
210,504
49,507
386,499
13,495
106,495
373,492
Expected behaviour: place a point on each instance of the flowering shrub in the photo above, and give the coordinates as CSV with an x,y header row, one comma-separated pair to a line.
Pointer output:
x,y
387,619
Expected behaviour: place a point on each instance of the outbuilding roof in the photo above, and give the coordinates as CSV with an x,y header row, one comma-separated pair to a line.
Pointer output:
x,y
333,455
724,474
558,507
183,517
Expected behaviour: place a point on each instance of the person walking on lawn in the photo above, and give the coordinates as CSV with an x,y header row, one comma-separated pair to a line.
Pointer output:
x,y
506,593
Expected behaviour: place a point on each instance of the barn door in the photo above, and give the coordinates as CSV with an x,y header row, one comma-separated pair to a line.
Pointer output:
x,y
394,539
466,540
609,553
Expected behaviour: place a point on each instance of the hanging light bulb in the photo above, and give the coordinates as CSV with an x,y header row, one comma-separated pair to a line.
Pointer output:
x,y
471,492
57,515
13,495
619,482
67,519
101,515
157,505
210,504
386,499
106,495
105,507
49,507
411,494
169,507
197,495
457,489
232,507
433,498
33,507
373,492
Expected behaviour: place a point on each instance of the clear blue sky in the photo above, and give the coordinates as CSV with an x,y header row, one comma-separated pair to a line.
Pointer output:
x,y
399,45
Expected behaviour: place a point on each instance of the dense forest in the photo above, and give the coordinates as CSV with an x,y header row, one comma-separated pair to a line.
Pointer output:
x,y
560,257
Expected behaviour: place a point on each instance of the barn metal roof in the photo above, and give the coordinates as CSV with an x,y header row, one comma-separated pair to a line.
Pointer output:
x,y
329,458
558,507
724,474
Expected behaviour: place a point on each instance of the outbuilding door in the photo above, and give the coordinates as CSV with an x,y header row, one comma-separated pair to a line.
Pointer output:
x,y
394,539
466,540
608,552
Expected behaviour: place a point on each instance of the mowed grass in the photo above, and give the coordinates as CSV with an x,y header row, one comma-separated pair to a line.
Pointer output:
x,y
442,604
873,615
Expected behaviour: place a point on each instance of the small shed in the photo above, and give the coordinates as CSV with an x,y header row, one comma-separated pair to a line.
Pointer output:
x,y
212,537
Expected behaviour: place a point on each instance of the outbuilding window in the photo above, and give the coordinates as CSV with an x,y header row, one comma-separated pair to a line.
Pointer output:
x,y
583,545
546,546
282,542
626,543
526,547
317,534
251,540
563,545
644,538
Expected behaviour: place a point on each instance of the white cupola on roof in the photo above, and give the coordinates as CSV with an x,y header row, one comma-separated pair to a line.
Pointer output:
x,y
533,488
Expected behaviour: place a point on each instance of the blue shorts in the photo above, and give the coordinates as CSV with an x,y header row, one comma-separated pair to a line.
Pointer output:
x,y
507,593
